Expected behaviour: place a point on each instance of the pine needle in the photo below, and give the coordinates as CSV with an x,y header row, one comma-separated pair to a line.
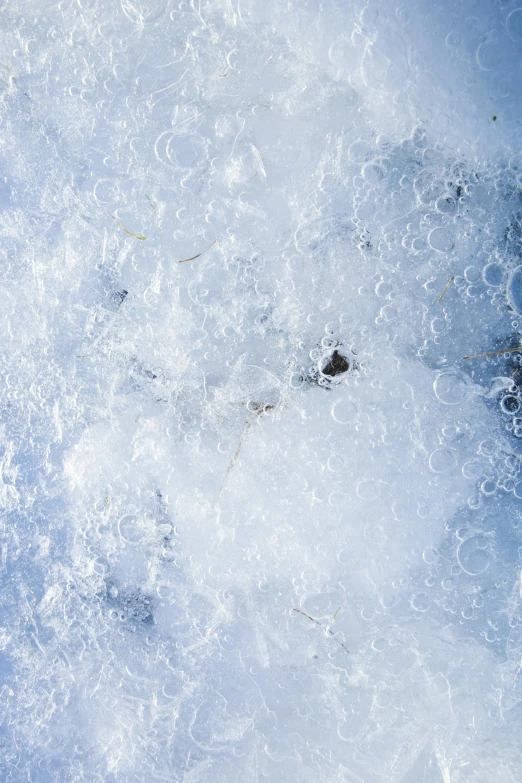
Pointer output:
x,y
199,254
494,353
322,626
130,233
450,281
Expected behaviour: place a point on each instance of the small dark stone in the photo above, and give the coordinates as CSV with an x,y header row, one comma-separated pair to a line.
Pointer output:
x,y
459,191
336,365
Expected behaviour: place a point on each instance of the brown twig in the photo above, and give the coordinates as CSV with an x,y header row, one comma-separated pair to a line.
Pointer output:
x,y
131,233
199,254
450,281
494,353
322,626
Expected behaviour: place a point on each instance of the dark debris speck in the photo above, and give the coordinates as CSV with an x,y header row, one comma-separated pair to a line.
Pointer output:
x,y
118,297
336,365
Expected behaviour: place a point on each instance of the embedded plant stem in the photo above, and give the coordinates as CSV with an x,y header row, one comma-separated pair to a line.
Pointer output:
x,y
130,233
246,429
198,254
450,281
494,353
322,626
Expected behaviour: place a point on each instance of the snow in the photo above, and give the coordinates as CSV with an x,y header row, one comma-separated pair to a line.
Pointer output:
x,y
260,518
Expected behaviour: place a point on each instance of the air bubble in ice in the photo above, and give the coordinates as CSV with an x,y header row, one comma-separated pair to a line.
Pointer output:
x,y
450,387
440,239
493,274
473,555
344,411
514,290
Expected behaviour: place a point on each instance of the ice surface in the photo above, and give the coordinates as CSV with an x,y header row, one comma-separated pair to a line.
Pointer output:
x,y
260,519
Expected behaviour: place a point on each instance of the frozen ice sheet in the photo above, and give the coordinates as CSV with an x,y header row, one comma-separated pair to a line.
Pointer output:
x,y
260,518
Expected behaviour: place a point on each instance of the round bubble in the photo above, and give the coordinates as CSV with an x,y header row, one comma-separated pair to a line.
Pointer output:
x,y
453,39
372,173
442,460
296,380
473,555
359,150
472,274
440,239
515,161
335,462
183,150
130,529
514,290
472,469
489,55
105,191
447,204
430,555
510,404
493,274
344,411
450,387
310,234
367,489
420,602
514,25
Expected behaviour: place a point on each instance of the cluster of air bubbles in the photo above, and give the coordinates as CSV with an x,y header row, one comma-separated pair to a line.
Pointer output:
x,y
511,404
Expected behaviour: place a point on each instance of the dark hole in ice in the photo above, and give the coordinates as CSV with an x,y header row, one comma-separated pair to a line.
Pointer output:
x,y
510,404
118,297
336,365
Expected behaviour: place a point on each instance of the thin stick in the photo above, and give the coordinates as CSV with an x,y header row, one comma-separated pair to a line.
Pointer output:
x,y
246,429
494,353
322,626
199,254
130,233
450,281
244,433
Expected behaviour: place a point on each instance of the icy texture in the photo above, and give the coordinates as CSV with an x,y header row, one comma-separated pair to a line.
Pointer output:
x,y
191,452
